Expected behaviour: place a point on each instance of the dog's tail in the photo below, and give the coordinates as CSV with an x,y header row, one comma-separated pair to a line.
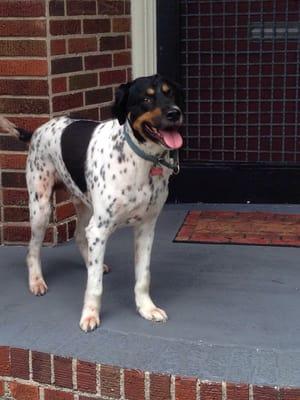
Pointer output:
x,y
9,127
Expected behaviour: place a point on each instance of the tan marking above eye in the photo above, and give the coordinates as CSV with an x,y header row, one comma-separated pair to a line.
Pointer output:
x,y
165,88
150,91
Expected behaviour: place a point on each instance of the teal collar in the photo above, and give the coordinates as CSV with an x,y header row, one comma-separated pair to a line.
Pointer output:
x,y
156,160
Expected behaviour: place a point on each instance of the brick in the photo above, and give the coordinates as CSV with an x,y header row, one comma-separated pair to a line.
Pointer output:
x,y
14,197
17,161
63,366
83,81
71,228
87,113
289,394
66,102
59,85
2,389
121,24
65,27
265,393
122,58
23,67
13,48
86,376
24,392
128,42
99,25
106,113
12,143
21,234
62,236
57,395
58,47
82,45
22,8
160,387
13,233
108,7
57,8
32,28
129,74
134,384
24,105
112,77
98,61
15,214
41,367
185,388
110,381
13,179
237,391
79,7
61,194
128,7
64,65
5,369
64,211
19,363
98,96
30,123
210,391
112,43
24,87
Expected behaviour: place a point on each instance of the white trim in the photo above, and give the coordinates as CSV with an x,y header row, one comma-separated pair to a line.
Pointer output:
x,y
144,53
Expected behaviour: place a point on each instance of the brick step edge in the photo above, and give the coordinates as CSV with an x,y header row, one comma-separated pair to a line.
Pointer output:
x,y
28,374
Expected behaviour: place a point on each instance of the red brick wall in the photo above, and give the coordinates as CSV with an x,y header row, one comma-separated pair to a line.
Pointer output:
x,y
57,57
31,375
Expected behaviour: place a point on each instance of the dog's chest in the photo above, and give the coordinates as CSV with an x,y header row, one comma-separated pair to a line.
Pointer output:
x,y
122,182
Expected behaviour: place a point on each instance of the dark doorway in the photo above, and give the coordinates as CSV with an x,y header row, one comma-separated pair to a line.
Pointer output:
x,y
238,62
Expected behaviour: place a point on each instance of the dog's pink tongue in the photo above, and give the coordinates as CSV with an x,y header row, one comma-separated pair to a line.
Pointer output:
x,y
172,139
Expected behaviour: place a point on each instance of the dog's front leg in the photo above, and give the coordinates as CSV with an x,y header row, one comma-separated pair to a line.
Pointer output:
x,y
143,235
96,238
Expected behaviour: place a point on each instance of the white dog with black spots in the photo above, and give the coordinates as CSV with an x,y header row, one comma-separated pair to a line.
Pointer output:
x,y
117,173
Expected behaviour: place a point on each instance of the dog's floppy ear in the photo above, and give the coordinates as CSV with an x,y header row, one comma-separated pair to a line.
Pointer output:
x,y
119,109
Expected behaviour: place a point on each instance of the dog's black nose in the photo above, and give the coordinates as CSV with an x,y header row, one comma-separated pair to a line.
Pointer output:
x,y
173,114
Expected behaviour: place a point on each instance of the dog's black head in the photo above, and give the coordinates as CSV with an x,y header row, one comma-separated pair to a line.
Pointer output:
x,y
153,106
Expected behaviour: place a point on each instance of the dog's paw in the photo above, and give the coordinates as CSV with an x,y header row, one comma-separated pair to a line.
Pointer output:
x,y
38,287
89,321
153,314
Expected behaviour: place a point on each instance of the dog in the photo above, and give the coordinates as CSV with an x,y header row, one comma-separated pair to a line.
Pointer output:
x,y
117,173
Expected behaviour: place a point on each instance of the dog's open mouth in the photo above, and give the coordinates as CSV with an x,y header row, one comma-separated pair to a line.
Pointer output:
x,y
169,137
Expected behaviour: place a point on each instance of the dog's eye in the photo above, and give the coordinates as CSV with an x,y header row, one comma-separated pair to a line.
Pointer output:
x,y
147,100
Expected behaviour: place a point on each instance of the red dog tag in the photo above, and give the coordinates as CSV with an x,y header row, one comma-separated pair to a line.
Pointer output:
x,y
156,171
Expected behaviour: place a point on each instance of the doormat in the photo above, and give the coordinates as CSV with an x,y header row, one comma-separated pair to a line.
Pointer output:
x,y
253,228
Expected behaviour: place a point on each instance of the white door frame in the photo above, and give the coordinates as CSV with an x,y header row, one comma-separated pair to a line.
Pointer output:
x,y
144,52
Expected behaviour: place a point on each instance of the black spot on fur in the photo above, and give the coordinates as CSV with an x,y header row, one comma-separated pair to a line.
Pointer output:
x,y
75,140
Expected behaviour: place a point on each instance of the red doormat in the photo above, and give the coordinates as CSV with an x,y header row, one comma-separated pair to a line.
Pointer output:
x,y
255,228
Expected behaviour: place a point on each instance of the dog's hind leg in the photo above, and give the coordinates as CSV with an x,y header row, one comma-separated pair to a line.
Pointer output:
x,y
83,217
40,182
